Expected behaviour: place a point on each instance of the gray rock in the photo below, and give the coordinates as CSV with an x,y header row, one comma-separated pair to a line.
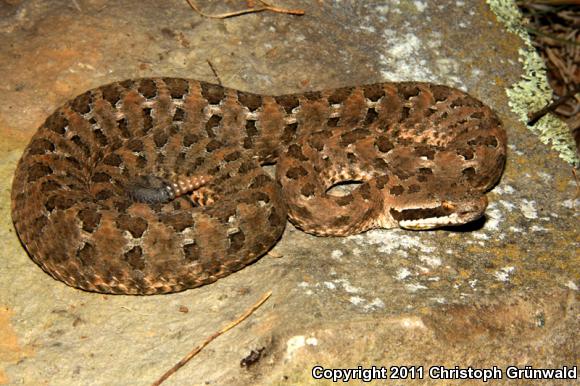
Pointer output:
x,y
504,292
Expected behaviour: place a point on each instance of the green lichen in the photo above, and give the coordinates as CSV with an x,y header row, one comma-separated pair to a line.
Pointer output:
x,y
533,92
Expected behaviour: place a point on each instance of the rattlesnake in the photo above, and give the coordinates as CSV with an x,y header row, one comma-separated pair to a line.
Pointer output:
x,y
99,196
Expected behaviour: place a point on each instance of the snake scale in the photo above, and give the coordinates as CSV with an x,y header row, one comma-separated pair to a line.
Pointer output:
x,y
156,185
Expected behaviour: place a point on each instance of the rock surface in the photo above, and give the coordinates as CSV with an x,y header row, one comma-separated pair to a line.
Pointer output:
x,y
501,292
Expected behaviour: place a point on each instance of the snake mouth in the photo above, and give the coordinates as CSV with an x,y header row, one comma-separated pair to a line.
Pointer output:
x,y
443,215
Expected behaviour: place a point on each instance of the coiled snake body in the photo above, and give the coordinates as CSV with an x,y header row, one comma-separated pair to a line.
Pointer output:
x,y
101,196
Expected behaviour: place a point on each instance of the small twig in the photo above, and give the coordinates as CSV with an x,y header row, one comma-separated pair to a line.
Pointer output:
x,y
552,106
265,7
196,350
551,36
77,6
214,72
269,7
557,2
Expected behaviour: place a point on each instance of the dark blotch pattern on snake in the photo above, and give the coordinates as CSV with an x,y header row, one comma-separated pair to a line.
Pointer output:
x,y
153,186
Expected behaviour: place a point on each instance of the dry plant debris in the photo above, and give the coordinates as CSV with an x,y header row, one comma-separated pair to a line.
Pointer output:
x,y
554,26
209,339
250,9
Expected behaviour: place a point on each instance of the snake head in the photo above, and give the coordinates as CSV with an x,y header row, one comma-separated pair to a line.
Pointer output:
x,y
441,213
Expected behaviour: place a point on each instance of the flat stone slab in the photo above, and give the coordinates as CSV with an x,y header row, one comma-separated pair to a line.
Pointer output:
x,y
501,292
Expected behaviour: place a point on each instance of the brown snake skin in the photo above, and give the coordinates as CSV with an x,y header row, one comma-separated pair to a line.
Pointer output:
x,y
86,193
